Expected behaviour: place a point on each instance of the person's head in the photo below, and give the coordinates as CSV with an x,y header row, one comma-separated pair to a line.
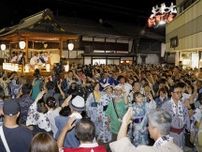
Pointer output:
x,y
11,110
37,73
176,92
65,111
136,86
159,123
163,92
70,73
108,88
50,85
14,54
105,74
182,85
51,102
162,82
77,104
85,130
43,142
26,88
122,80
118,90
138,97
96,86
36,54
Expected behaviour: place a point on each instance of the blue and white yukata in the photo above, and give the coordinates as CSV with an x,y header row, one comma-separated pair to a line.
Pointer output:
x,y
97,115
105,135
138,131
180,120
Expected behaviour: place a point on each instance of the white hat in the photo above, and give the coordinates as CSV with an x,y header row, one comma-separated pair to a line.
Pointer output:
x,y
118,87
77,103
106,85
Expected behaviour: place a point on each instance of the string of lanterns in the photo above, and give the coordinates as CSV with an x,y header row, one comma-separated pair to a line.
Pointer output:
x,y
161,15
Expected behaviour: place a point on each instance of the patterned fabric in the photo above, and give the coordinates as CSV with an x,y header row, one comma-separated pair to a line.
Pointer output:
x,y
195,123
138,130
14,88
93,109
121,109
95,112
178,110
4,85
36,118
25,102
180,119
162,140
104,133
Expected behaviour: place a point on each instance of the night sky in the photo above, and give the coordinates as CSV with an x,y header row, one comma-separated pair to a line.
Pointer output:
x,y
124,11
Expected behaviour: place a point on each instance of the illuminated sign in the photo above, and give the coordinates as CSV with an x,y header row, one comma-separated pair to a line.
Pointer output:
x,y
161,15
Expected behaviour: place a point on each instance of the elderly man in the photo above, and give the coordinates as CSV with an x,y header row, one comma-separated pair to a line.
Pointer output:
x,y
159,128
85,132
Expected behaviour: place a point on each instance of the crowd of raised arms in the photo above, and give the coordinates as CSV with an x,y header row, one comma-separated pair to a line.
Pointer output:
x,y
102,108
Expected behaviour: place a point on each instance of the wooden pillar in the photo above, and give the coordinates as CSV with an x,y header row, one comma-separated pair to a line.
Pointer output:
x,y
61,47
26,50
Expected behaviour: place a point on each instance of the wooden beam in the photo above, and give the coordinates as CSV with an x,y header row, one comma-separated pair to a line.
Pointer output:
x,y
39,36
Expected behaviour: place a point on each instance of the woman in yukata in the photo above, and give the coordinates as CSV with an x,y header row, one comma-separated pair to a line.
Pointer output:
x,y
105,135
138,131
116,110
94,107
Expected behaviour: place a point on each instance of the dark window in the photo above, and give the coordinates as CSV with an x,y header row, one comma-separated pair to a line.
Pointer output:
x,y
174,42
185,4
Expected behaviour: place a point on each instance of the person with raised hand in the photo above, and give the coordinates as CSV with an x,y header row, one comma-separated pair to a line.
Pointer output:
x,y
159,128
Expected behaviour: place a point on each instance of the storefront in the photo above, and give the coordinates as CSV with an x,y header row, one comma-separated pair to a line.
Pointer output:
x,y
189,59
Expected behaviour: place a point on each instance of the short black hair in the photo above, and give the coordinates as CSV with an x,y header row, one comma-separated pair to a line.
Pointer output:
x,y
65,111
37,73
172,88
51,102
85,130
50,85
26,88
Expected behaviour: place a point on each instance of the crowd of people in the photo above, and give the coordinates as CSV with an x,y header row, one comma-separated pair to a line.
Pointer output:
x,y
102,108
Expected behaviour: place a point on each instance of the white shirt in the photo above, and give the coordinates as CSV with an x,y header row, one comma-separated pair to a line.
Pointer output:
x,y
51,114
89,145
34,60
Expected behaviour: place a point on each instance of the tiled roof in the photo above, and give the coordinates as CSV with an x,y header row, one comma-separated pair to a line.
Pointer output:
x,y
43,22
